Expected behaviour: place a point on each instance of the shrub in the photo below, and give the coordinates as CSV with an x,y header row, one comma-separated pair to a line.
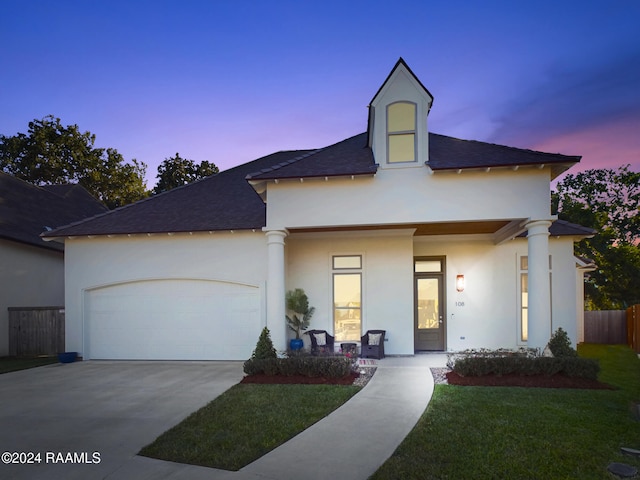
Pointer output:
x,y
454,357
486,365
328,367
560,345
264,347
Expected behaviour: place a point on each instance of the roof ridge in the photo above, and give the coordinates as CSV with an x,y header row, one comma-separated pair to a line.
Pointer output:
x,y
286,163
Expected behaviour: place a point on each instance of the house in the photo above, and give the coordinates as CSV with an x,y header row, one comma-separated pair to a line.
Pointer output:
x,y
32,270
446,244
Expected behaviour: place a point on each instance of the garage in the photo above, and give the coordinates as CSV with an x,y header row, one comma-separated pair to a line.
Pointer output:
x,y
172,319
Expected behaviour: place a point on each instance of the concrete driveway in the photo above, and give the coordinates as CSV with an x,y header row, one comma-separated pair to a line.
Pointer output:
x,y
88,419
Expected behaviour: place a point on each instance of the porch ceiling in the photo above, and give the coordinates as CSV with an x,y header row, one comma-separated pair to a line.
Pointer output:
x,y
421,229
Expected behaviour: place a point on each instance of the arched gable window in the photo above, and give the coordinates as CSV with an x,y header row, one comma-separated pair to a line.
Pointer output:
x,y
401,132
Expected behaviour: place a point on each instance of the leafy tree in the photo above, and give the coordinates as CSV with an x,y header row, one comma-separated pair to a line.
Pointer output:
x,y
51,153
607,200
177,171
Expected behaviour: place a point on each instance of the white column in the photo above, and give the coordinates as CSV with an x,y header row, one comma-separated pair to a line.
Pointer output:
x,y
539,322
276,288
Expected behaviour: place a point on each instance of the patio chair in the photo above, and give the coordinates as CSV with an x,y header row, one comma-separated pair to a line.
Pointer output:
x,y
321,341
372,344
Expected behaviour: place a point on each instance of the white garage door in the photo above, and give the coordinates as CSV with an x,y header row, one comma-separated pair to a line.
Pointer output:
x,y
172,320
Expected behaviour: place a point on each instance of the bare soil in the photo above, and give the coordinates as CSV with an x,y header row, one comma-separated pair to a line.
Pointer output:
x,y
529,381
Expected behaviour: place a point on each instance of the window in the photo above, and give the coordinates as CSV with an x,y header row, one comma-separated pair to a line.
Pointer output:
x,y
401,132
524,296
347,298
428,266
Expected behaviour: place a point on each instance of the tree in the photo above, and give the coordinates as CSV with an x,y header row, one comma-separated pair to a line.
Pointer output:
x,y
51,153
177,171
607,200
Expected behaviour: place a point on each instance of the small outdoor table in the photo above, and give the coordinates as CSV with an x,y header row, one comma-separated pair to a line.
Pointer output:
x,y
349,348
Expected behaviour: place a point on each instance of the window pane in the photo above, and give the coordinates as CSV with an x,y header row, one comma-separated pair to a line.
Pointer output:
x,y
347,306
428,266
354,261
428,303
525,325
401,117
346,290
402,148
347,324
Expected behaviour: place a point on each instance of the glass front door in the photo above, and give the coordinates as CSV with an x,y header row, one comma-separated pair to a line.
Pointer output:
x,y
429,318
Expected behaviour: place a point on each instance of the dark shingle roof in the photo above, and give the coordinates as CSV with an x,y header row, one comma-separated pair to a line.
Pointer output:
x,y
27,210
349,157
449,153
224,201
562,227
227,201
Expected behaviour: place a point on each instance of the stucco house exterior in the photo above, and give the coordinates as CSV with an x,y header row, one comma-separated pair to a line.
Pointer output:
x,y
446,244
32,270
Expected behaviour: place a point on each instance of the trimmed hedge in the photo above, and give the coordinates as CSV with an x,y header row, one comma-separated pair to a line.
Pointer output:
x,y
328,367
570,366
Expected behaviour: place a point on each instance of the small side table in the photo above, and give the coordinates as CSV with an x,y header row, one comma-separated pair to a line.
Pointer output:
x,y
349,348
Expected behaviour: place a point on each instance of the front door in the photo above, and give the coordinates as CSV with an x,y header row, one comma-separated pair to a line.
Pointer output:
x,y
429,315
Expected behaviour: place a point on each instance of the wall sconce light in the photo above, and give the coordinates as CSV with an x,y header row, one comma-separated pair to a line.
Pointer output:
x,y
460,283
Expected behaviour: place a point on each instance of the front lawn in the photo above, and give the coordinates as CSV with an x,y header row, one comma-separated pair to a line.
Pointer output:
x,y
246,422
526,433
12,364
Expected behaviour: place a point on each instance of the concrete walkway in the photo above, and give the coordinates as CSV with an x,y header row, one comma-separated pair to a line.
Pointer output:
x,y
352,442
115,408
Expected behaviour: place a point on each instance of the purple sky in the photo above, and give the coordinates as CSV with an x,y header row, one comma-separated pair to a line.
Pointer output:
x,y
229,81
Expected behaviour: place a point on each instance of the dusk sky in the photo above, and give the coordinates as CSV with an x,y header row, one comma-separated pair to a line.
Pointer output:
x,y
230,81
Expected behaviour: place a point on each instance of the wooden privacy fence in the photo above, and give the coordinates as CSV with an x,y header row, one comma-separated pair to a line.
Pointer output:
x,y
36,331
613,327
633,327
605,326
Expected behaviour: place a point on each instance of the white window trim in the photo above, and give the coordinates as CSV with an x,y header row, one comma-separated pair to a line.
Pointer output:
x,y
519,272
403,132
332,272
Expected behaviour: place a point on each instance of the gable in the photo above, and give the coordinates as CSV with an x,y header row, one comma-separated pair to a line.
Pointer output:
x,y
397,125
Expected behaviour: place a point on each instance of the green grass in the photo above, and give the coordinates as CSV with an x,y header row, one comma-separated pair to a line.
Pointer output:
x,y
13,364
246,422
525,433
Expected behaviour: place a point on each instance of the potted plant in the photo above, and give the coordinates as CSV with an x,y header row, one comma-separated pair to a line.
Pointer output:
x,y
297,304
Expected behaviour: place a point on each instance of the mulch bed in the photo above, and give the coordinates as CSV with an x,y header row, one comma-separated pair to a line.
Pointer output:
x,y
283,379
529,381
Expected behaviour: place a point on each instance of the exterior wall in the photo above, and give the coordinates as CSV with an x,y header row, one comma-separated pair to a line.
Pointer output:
x,y
29,277
94,262
409,195
567,310
487,313
580,305
387,280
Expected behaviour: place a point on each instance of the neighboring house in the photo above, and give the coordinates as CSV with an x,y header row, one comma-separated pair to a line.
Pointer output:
x,y
32,270
446,244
